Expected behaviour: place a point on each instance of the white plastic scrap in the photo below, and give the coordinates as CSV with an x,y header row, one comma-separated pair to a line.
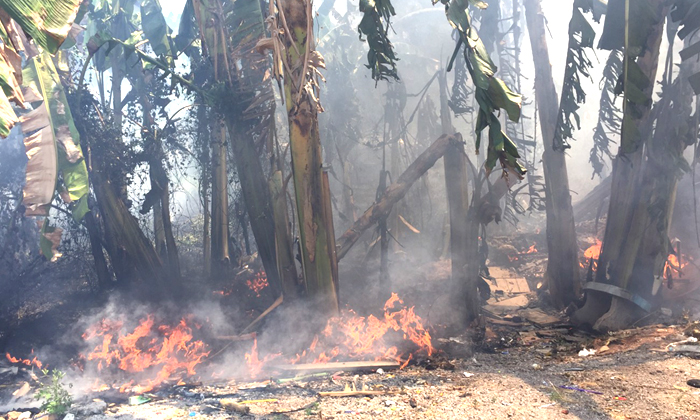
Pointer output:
x,y
586,352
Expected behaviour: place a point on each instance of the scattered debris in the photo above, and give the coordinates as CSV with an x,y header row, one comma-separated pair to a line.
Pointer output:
x,y
586,352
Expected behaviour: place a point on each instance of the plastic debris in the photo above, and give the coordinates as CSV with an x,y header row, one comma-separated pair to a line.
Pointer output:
x,y
575,388
380,371
586,352
138,400
574,369
468,375
192,413
69,416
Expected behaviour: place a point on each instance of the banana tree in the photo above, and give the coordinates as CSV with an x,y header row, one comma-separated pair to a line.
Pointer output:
x,y
650,159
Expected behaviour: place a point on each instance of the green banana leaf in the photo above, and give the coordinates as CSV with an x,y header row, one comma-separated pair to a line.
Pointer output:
x,y
157,31
48,22
491,93
52,142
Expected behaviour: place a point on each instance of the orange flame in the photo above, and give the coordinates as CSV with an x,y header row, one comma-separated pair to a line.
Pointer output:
x,y
593,252
356,337
673,267
164,351
258,283
531,250
255,365
29,362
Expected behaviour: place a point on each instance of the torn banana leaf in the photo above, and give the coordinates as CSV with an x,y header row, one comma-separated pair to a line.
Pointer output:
x,y
47,22
52,142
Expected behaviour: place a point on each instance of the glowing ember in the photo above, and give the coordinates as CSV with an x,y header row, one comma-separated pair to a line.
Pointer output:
x,y
163,352
258,283
353,337
29,362
531,250
593,252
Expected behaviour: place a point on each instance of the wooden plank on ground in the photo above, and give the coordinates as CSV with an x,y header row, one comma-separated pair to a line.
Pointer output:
x,y
338,366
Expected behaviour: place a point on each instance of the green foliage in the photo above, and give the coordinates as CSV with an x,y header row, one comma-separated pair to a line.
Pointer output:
x,y
374,25
54,397
490,92
47,22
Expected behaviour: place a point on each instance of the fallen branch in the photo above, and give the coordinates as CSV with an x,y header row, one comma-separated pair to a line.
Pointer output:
x,y
356,393
252,325
395,192
338,366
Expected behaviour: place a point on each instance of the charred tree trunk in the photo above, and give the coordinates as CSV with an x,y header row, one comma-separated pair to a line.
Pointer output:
x,y
395,192
463,246
562,276
302,110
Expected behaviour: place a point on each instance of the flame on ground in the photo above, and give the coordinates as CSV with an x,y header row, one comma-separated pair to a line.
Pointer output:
x,y
353,337
164,352
29,362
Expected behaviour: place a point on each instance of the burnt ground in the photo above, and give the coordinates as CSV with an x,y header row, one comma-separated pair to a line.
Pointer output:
x,y
633,375
517,371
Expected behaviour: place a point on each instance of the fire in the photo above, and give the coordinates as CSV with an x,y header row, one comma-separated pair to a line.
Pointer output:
x,y
593,252
531,250
353,337
673,267
163,352
255,365
258,283
29,362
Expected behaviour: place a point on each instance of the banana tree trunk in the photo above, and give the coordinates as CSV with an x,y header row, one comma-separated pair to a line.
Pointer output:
x,y
302,109
286,266
463,246
644,240
203,135
562,275
219,201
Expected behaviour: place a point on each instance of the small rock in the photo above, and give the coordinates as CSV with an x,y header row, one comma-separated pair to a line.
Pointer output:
x,y
565,411
96,406
25,416
413,403
69,416
389,403
380,371
468,375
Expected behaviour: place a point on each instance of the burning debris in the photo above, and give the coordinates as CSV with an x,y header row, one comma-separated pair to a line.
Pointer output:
x,y
28,362
156,353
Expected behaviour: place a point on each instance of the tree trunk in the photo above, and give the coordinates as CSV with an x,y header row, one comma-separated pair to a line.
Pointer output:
x,y
203,136
219,201
653,183
307,163
395,192
465,265
562,275
104,278
286,265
